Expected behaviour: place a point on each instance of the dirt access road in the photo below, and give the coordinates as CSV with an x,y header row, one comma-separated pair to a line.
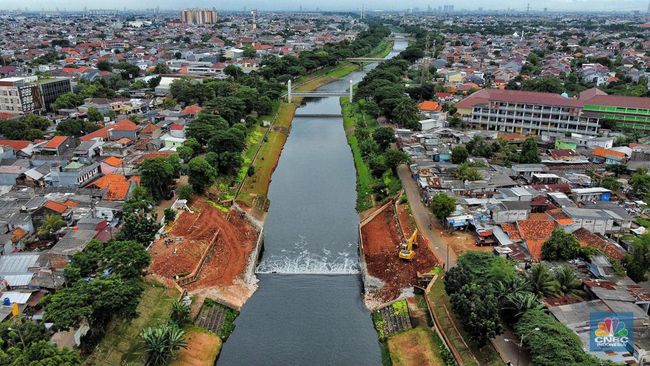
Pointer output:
x,y
424,217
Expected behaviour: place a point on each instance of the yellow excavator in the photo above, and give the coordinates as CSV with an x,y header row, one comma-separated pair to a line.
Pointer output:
x,y
406,250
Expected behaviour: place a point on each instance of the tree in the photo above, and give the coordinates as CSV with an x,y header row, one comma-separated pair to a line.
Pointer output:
x,y
104,66
249,51
50,226
170,214
201,174
561,246
94,115
542,282
139,226
185,192
518,303
125,259
67,101
227,140
478,308
610,183
229,162
406,113
393,158
39,353
75,127
459,154
529,152
180,313
162,68
465,172
638,261
157,176
567,281
442,205
640,181
383,136
233,71
97,301
161,343
550,342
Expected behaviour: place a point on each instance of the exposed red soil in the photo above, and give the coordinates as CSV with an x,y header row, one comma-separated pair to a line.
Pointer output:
x,y
191,236
381,242
230,257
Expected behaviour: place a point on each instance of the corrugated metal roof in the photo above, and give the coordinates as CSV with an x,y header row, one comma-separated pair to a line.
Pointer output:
x,y
18,263
18,279
16,297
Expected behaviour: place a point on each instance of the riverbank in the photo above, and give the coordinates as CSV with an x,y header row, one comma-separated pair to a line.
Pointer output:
x,y
254,189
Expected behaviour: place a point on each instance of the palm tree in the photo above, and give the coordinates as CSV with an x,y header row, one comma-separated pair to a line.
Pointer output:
x,y
520,302
50,225
161,343
542,282
180,313
569,284
512,285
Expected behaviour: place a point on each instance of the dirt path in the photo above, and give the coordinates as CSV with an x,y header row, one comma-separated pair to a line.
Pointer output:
x,y
424,217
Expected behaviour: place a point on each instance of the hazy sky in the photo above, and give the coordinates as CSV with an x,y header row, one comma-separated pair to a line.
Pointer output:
x,y
621,5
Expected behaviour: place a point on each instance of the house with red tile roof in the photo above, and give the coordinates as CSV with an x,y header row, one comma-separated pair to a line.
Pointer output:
x,y
587,239
601,155
115,186
111,164
534,231
123,128
57,145
51,208
191,110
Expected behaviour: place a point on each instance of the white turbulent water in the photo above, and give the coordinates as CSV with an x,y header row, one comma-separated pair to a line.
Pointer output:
x,y
300,260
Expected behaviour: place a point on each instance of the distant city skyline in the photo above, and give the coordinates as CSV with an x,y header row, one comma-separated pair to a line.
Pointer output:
x,y
332,5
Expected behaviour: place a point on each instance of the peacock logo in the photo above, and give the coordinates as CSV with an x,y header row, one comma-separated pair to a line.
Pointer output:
x,y
610,332
611,327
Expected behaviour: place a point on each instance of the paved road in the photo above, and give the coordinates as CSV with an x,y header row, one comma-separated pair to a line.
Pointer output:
x,y
506,344
508,347
424,217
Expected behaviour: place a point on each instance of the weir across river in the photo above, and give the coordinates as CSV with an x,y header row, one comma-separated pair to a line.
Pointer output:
x,y
309,309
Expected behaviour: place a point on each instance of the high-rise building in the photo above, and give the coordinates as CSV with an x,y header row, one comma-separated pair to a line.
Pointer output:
x,y
27,94
20,95
198,16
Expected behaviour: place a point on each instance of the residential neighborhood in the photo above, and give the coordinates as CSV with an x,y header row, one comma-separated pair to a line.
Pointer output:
x,y
444,187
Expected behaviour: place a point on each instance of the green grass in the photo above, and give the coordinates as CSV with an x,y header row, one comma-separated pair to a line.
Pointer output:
x,y
364,178
122,343
643,222
203,347
414,347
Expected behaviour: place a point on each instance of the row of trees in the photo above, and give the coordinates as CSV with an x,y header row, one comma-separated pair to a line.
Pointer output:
x,y
486,292
30,127
23,342
285,68
499,150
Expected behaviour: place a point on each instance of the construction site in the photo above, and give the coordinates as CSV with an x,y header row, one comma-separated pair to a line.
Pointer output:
x,y
209,253
394,256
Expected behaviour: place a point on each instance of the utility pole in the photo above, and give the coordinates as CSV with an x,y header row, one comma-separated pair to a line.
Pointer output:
x,y
289,90
351,90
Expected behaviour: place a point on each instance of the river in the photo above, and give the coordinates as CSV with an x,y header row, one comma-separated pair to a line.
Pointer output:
x,y
308,309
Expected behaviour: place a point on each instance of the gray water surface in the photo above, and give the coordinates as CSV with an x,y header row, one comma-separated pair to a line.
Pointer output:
x,y
308,309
